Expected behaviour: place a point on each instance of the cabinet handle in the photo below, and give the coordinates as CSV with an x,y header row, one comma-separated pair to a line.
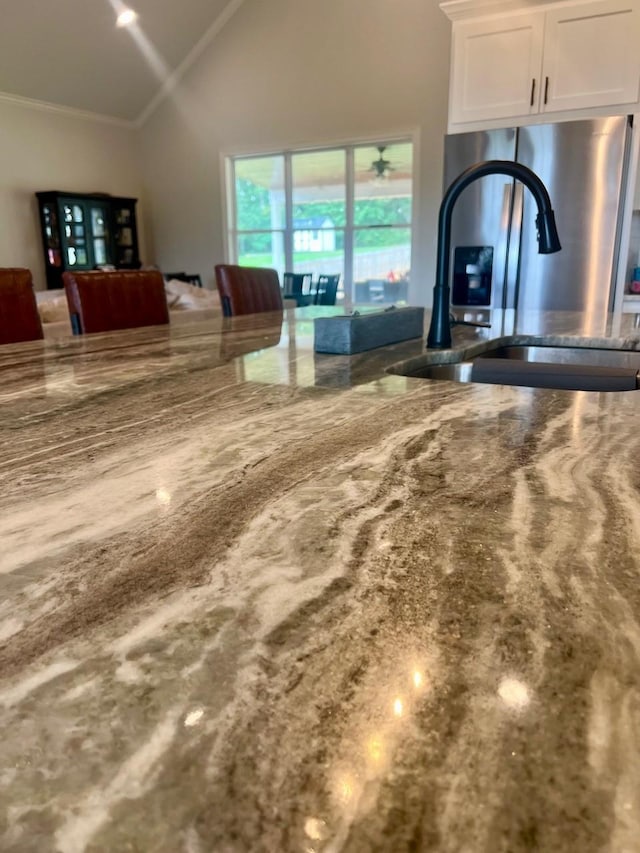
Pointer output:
x,y
533,91
546,88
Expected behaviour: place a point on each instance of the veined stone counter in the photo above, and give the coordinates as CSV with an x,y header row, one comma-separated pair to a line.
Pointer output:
x,y
257,599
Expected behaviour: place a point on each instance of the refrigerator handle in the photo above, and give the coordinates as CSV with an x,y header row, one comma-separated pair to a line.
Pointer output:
x,y
501,250
505,216
513,250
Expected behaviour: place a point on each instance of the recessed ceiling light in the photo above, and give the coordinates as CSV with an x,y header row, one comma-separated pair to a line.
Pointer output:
x,y
126,18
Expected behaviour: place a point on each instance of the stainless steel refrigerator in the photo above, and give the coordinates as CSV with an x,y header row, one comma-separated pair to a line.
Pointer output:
x,y
495,262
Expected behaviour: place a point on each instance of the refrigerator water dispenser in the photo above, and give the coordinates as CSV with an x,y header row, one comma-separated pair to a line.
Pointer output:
x,y
472,271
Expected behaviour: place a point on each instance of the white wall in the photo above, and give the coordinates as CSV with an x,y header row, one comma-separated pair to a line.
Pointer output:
x,y
45,150
295,72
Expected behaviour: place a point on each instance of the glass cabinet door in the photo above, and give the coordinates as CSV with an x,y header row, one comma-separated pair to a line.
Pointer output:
x,y
125,236
99,235
75,236
51,235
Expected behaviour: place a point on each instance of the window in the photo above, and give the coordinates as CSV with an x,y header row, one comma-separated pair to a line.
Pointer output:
x,y
327,211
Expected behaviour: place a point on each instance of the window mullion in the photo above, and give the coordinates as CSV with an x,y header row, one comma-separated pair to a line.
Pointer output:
x,y
348,231
288,198
232,239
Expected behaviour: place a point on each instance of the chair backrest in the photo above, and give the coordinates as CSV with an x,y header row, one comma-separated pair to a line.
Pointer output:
x,y
363,294
123,299
296,283
247,290
19,318
327,289
396,291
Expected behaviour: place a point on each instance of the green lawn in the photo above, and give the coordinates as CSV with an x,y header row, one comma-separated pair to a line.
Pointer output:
x,y
265,259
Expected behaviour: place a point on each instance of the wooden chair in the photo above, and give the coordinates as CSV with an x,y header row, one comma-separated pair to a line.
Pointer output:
x,y
297,285
19,318
327,289
247,290
123,299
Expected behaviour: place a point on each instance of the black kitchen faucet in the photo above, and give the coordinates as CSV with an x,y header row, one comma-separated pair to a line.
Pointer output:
x,y
439,336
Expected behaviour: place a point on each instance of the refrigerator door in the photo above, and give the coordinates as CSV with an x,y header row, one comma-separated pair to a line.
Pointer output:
x,y
480,223
583,165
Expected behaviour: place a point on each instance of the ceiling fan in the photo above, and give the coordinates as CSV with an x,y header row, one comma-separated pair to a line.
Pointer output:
x,y
381,168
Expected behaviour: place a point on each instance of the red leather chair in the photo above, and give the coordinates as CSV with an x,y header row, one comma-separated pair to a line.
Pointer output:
x,y
19,318
122,299
247,290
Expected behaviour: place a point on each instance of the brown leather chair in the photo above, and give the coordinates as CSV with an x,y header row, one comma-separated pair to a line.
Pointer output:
x,y
247,290
121,299
19,318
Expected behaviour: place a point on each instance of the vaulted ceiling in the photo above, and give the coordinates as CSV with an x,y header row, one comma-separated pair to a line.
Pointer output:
x,y
71,53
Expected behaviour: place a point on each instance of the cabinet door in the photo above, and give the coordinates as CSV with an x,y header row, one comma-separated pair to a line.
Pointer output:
x,y
495,67
51,235
100,239
591,56
76,250
126,235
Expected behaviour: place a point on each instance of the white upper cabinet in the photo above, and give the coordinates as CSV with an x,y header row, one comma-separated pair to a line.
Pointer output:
x,y
557,57
496,67
591,56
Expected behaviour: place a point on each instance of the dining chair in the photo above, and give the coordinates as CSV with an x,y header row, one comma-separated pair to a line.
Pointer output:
x,y
363,294
247,290
19,317
376,289
121,299
396,291
327,289
297,285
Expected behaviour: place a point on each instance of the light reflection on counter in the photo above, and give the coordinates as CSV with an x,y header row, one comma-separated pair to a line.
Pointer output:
x,y
514,693
163,496
375,750
290,359
372,737
193,718
315,829
279,361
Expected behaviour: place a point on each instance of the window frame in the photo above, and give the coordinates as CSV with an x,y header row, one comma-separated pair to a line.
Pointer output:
x,y
231,232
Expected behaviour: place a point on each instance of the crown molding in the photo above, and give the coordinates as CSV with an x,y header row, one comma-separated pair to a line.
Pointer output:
x,y
459,10
68,112
174,78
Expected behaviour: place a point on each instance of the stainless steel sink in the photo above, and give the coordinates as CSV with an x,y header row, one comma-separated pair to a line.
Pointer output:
x,y
591,356
537,364
458,372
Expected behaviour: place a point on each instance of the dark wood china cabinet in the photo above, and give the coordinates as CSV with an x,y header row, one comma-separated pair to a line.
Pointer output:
x,y
82,231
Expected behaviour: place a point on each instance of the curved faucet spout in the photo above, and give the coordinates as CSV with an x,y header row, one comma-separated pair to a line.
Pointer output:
x,y
439,336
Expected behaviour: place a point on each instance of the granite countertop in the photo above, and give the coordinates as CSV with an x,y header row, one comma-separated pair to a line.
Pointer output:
x,y
257,599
